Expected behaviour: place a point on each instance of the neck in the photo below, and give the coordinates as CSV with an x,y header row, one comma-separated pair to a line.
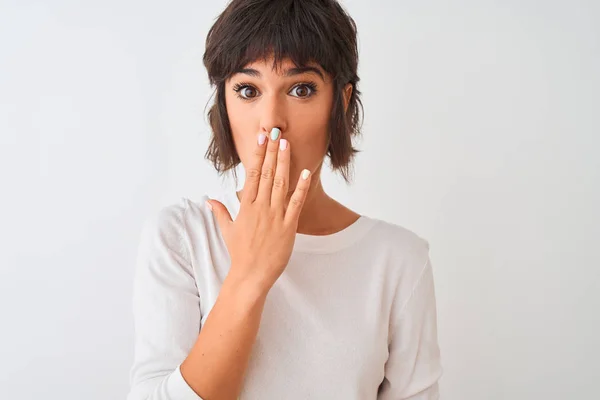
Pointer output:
x,y
316,211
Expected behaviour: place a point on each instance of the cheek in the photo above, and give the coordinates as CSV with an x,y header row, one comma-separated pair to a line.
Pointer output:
x,y
235,112
310,130
238,121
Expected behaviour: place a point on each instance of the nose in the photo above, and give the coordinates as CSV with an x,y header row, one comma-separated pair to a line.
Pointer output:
x,y
272,114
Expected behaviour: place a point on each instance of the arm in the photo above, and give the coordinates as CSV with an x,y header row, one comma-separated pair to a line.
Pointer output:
x,y
173,358
413,367
216,365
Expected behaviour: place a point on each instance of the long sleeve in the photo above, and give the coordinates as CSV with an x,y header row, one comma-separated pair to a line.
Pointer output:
x,y
166,309
413,367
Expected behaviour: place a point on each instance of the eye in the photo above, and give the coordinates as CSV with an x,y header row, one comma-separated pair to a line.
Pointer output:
x,y
305,90
245,91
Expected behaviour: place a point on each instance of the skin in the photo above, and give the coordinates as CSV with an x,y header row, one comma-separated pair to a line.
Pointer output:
x,y
276,100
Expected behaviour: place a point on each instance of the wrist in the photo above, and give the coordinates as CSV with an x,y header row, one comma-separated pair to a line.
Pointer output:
x,y
249,286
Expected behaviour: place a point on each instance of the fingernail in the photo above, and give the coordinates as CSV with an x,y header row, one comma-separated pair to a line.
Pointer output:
x,y
208,205
275,133
305,174
261,138
282,144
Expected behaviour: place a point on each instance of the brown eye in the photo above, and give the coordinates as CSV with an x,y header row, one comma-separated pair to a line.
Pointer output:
x,y
244,91
248,92
304,91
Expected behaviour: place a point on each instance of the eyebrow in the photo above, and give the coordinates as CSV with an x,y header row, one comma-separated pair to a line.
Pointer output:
x,y
289,72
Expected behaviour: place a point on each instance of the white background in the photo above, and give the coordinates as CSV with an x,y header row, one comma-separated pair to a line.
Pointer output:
x,y
481,134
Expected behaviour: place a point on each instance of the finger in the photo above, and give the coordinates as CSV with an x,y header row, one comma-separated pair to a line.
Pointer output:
x,y
298,197
253,171
268,168
282,176
221,214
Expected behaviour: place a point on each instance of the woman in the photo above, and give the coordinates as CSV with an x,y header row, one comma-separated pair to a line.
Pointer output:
x,y
278,291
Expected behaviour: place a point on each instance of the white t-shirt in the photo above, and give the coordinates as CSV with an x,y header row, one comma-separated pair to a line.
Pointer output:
x,y
352,317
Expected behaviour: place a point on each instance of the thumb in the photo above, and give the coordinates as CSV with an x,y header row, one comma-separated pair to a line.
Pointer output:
x,y
221,213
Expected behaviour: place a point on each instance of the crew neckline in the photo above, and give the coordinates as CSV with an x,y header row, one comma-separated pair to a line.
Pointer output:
x,y
305,243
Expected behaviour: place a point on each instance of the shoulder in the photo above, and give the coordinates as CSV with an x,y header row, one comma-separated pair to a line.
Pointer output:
x,y
409,272
174,232
398,239
178,218
404,252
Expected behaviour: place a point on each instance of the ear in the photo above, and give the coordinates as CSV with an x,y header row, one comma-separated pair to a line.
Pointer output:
x,y
347,95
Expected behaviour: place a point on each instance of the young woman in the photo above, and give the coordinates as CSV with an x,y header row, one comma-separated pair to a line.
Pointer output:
x,y
278,291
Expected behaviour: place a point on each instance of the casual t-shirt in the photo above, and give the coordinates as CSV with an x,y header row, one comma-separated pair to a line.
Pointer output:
x,y
352,317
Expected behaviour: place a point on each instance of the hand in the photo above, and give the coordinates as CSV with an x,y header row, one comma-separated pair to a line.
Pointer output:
x,y
261,239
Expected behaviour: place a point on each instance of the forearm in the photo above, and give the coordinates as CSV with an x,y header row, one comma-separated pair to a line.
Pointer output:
x,y
216,365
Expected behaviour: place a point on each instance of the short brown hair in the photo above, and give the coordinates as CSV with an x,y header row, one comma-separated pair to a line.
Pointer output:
x,y
304,31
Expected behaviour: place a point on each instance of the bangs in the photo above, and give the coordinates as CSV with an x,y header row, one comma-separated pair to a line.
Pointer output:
x,y
283,29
